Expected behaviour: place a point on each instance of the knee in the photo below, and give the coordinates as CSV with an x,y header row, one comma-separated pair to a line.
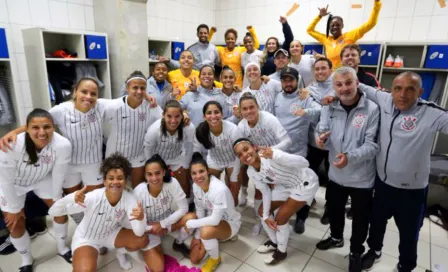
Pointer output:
x,y
207,233
61,219
138,243
190,216
84,266
195,258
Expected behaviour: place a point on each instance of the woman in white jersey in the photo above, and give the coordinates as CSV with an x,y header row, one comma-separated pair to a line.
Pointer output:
x,y
231,94
37,162
265,93
294,186
107,211
173,141
302,63
251,55
130,117
217,135
264,130
215,219
159,193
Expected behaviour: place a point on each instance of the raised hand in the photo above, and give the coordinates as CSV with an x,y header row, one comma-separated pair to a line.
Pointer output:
x,y
303,94
138,213
214,29
151,99
317,55
266,152
249,27
80,196
193,86
186,119
283,20
175,92
5,141
236,111
265,79
323,11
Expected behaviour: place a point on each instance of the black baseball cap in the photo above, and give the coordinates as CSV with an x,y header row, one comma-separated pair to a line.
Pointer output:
x,y
289,71
281,50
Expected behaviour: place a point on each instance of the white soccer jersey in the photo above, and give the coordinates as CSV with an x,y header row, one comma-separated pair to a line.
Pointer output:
x,y
231,101
101,219
222,152
267,132
17,175
158,209
247,58
83,130
266,94
129,126
169,147
214,205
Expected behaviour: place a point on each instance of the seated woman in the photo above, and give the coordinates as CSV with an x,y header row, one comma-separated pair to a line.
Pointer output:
x,y
287,185
158,195
215,217
107,212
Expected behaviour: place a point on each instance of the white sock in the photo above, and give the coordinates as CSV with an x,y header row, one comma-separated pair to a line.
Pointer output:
x,y
190,200
181,235
283,233
257,204
212,247
244,190
23,246
60,233
125,264
271,233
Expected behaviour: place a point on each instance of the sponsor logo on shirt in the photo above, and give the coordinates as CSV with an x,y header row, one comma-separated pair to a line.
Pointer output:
x,y
359,120
47,159
409,123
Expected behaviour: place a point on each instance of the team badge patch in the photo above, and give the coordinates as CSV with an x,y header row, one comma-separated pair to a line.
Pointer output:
x,y
91,118
409,123
359,120
142,116
47,159
209,204
118,213
293,108
164,201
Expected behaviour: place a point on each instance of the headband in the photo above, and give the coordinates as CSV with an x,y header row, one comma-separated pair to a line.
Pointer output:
x,y
251,64
244,141
133,78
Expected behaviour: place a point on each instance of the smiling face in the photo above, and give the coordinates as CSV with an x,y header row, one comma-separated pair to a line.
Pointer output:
x,y
207,76
136,89
41,131
200,175
115,181
249,44
249,110
86,95
186,60
213,116
295,48
230,40
336,26
154,174
246,153
406,90
271,45
253,73
173,118
351,58
289,84
322,71
346,88
202,35
228,79
280,61
160,72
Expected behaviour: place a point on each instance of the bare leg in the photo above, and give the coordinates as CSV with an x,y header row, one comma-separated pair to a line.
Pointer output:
x,y
154,259
126,238
137,176
85,259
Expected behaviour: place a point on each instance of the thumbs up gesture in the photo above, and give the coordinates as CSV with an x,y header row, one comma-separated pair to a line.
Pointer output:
x,y
80,196
137,213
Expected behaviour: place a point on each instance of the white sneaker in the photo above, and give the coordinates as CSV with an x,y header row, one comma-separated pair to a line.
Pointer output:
x,y
269,246
256,229
242,199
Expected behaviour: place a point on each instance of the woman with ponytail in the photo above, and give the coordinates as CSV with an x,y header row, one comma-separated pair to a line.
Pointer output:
x,y
37,162
215,219
158,194
337,40
217,135
172,140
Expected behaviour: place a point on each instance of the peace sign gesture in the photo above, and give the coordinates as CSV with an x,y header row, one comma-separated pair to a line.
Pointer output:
x,y
80,196
137,213
193,86
323,11
266,152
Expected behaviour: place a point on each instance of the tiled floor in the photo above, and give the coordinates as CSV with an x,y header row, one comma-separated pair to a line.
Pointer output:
x,y
241,255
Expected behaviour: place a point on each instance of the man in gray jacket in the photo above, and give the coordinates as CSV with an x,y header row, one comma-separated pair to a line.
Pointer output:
x,y
352,145
407,130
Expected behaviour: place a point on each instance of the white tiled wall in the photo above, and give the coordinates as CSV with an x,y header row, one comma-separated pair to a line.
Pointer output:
x,y
178,19
400,20
18,14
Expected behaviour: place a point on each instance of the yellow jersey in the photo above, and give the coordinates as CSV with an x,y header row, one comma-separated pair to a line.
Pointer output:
x,y
177,79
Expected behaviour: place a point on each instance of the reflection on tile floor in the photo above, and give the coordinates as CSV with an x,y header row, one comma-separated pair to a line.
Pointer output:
x,y
241,255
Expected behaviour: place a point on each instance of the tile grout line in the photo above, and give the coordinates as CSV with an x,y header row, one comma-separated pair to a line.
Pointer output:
x,y
312,255
430,245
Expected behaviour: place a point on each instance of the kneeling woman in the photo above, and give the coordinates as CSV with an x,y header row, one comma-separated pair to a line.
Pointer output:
x,y
215,218
158,196
294,186
106,212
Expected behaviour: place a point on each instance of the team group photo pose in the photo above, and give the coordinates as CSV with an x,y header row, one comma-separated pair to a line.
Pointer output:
x,y
244,150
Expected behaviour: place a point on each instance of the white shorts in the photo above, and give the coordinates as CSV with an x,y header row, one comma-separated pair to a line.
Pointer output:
x,y
43,189
88,174
108,242
235,165
303,193
138,161
235,228
154,240
177,163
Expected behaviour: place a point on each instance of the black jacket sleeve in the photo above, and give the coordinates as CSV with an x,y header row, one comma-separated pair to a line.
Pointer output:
x,y
289,37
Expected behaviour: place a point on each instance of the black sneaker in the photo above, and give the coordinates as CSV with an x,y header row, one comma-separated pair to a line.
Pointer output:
x,y
369,259
6,246
276,257
325,220
350,214
26,268
330,243
269,246
36,226
299,226
355,264
182,249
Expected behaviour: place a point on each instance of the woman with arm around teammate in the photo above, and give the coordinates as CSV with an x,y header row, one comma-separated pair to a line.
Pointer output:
x,y
37,162
172,140
106,213
333,44
158,194
217,135
294,186
215,219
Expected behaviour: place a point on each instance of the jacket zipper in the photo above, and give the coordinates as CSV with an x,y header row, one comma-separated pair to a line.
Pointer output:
x,y
388,147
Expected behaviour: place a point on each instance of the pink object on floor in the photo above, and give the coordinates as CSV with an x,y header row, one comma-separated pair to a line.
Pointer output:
x,y
172,265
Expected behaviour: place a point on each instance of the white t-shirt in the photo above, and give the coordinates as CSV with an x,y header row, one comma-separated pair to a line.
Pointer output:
x,y
247,58
266,94
159,209
17,176
267,132
129,126
101,219
305,68
213,206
